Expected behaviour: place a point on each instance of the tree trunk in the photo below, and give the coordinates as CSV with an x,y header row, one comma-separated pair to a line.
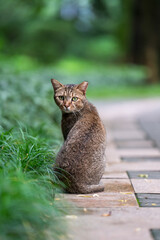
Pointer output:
x,y
145,40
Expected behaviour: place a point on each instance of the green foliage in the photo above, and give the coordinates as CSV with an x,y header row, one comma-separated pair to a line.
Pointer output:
x,y
27,211
77,70
27,98
103,49
48,30
28,184
18,63
21,151
122,92
29,138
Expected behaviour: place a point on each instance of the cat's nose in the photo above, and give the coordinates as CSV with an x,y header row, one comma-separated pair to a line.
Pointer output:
x,y
67,104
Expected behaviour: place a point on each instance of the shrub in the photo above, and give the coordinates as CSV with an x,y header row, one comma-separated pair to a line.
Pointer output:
x,y
27,211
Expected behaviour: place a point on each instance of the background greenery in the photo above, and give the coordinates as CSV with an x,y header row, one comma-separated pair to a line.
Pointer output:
x,y
114,45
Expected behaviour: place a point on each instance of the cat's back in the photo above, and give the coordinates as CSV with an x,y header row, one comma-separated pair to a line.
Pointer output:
x,y
92,118
88,135
82,154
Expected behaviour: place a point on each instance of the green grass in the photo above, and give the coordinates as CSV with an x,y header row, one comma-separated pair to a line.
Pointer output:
x,y
29,139
27,211
124,92
28,187
22,151
138,202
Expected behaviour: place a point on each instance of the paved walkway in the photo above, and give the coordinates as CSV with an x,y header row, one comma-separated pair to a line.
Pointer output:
x,y
129,208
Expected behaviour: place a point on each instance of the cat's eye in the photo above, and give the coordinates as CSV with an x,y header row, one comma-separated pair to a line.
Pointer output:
x,y
74,99
61,98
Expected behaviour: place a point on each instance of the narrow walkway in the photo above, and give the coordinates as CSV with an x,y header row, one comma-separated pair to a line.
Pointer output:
x,y
129,208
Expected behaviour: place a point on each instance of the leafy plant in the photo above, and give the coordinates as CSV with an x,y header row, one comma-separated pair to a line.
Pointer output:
x,y
20,150
27,210
29,138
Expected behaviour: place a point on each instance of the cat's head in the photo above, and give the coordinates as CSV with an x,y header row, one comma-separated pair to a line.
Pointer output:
x,y
71,97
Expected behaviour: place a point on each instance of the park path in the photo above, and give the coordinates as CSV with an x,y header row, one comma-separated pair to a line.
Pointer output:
x,y
129,208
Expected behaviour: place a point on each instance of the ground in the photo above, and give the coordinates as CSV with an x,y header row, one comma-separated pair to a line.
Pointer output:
x,y
129,208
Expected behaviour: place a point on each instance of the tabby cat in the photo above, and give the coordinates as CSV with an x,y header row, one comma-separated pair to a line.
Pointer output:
x,y
81,158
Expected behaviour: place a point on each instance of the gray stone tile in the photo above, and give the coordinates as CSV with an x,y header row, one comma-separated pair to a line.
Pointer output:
x,y
134,144
146,185
111,154
148,199
125,126
156,234
144,174
151,125
134,166
140,159
152,152
115,175
128,135
132,223
129,124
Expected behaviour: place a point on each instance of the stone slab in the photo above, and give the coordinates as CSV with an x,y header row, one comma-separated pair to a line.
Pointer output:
x,y
156,234
128,135
139,174
115,175
101,200
134,166
129,125
125,127
146,185
153,152
151,124
111,154
148,199
118,185
134,144
122,223
140,159
130,110
96,228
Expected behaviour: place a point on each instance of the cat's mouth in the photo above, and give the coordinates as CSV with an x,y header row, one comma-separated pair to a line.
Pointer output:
x,y
66,109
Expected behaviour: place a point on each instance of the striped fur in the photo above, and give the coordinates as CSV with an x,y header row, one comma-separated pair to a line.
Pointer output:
x,y
80,161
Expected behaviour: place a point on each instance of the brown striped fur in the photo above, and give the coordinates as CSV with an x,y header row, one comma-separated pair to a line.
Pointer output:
x,y
81,158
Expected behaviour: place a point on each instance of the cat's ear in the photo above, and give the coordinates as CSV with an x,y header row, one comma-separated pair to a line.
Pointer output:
x,y
82,87
56,84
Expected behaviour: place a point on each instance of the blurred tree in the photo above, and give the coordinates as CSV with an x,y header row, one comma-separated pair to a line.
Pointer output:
x,y
145,36
114,31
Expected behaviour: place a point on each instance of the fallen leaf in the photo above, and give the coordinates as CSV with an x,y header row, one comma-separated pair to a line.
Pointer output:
x,y
143,175
57,199
106,214
95,195
153,204
123,200
87,196
71,216
126,192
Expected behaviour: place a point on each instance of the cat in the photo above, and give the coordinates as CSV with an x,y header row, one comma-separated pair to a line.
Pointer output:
x,y
81,158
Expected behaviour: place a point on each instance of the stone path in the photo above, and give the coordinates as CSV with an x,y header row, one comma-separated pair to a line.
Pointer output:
x,y
129,208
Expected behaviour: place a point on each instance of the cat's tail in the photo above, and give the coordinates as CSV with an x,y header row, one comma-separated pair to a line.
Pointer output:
x,y
85,189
